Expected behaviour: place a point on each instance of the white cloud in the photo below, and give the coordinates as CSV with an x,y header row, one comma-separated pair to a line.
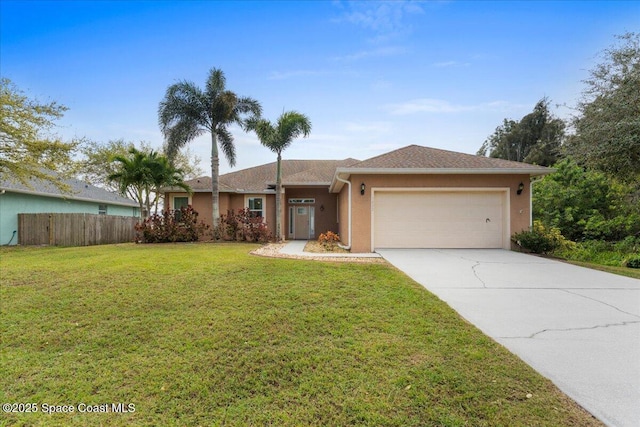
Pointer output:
x,y
439,106
283,75
380,16
446,64
373,53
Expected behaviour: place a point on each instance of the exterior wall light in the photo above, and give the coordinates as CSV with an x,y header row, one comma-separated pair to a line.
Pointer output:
x,y
362,188
520,188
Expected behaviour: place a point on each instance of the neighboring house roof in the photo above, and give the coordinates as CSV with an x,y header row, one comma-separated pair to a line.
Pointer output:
x,y
415,159
78,190
262,179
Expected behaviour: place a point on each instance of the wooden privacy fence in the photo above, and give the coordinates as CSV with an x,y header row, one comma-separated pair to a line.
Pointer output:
x,y
74,229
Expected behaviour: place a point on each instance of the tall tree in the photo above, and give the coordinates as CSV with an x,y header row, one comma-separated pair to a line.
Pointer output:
x,y
28,149
187,112
607,129
535,139
277,137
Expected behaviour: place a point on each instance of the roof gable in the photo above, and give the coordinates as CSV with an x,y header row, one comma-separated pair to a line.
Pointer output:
x,y
415,159
418,157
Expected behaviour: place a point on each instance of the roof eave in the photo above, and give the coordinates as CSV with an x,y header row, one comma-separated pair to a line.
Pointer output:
x,y
345,173
132,203
307,184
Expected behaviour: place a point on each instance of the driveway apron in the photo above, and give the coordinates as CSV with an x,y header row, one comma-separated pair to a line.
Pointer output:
x,y
576,326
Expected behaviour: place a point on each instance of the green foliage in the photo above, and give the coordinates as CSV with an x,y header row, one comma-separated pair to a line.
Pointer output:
x,y
608,127
278,137
586,204
614,254
535,139
28,149
171,226
242,226
97,162
542,240
142,175
186,112
633,262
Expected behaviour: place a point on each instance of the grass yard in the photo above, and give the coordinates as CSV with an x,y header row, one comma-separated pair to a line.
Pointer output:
x,y
622,271
206,334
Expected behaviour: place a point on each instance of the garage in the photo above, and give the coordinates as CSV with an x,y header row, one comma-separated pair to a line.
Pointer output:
x,y
440,218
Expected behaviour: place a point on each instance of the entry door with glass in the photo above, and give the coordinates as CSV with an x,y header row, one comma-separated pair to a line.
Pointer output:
x,y
301,222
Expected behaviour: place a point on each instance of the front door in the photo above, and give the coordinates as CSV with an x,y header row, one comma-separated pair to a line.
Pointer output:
x,y
301,222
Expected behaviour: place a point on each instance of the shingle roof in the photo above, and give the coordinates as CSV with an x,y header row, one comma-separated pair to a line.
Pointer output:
x,y
259,178
409,159
418,157
78,190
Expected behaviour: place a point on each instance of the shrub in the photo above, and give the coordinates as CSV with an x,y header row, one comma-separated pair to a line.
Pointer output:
x,y
541,240
586,205
242,226
171,226
602,252
329,239
633,262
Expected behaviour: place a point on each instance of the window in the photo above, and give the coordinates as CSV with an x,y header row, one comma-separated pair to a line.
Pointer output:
x,y
180,202
301,201
102,209
291,221
256,206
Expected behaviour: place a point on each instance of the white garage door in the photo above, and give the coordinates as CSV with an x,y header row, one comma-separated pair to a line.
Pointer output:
x,y
439,219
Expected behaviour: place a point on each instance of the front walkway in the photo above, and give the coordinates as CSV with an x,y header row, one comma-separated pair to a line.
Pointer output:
x,y
296,248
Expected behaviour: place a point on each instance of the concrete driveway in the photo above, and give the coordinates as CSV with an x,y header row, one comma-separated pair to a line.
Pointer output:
x,y
578,327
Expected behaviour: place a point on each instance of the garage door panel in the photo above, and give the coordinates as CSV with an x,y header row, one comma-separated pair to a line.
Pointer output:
x,y
434,219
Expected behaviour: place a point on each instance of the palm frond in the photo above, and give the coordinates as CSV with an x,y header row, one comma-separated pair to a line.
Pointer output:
x,y
292,125
266,133
225,140
180,134
216,83
182,115
246,105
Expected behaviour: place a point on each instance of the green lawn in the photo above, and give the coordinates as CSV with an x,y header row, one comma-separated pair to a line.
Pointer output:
x,y
206,334
622,271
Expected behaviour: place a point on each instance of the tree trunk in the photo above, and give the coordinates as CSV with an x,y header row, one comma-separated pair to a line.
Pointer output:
x,y
141,202
215,170
279,199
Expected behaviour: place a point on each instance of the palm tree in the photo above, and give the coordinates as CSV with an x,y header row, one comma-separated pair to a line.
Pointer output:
x,y
141,175
277,137
132,176
187,112
163,174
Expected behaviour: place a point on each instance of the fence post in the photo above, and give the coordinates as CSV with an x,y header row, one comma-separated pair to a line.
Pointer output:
x,y
52,239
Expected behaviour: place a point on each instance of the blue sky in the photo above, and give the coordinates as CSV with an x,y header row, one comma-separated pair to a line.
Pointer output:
x,y
372,76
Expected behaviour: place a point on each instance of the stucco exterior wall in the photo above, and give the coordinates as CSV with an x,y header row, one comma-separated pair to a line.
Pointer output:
x,y
343,215
202,203
361,204
11,204
325,207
